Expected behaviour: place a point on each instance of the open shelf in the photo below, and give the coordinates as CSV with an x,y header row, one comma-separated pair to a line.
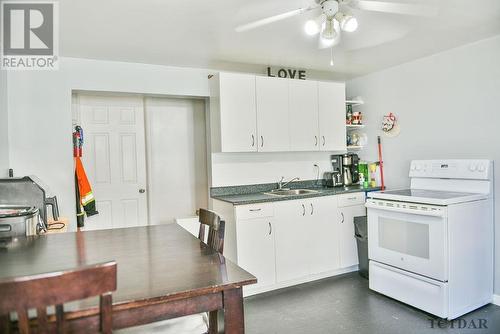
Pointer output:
x,y
354,126
354,102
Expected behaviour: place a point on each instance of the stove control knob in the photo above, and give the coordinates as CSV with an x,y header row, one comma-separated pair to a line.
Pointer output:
x,y
412,167
472,168
481,168
418,167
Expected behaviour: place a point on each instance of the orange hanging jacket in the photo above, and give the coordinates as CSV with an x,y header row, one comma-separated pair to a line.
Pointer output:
x,y
87,199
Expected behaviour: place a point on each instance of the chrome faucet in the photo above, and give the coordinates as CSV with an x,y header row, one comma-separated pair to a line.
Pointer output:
x,y
281,184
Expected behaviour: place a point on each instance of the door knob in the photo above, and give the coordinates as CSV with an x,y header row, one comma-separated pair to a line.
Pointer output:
x,y
142,191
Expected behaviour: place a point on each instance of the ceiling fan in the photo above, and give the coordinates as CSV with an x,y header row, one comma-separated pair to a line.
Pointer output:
x,y
336,16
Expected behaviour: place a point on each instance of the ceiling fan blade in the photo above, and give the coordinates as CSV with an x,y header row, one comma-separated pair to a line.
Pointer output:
x,y
396,8
275,18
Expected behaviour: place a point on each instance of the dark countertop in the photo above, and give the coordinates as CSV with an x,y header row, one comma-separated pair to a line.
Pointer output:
x,y
261,197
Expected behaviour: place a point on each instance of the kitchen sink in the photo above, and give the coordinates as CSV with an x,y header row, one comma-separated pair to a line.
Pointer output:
x,y
291,192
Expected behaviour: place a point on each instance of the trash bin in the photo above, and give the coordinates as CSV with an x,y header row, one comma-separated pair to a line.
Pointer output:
x,y
361,235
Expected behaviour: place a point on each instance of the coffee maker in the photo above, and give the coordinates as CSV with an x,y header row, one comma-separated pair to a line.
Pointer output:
x,y
335,178
345,170
350,162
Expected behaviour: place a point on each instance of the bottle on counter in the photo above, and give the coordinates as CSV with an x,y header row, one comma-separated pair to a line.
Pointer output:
x,y
373,174
363,173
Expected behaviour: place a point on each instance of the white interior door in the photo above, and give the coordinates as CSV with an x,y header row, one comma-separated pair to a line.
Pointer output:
x,y
177,159
114,157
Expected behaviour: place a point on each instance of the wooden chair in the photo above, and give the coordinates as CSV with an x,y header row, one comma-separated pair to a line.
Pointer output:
x,y
40,291
192,323
215,241
216,225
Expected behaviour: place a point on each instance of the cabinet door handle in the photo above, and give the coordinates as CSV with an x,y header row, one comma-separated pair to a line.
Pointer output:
x,y
324,140
254,210
343,218
253,140
303,210
261,141
312,209
315,140
270,228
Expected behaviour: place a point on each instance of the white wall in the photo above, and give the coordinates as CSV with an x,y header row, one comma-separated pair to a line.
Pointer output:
x,y
40,122
39,109
4,137
448,107
250,168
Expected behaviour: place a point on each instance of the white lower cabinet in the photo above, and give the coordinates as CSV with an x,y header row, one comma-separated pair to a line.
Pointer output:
x,y
289,242
306,237
292,258
255,243
323,246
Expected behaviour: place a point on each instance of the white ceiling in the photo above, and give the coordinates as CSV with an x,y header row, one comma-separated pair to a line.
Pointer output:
x,y
200,33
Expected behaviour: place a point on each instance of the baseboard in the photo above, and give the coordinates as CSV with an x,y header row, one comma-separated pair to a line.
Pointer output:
x,y
496,300
250,290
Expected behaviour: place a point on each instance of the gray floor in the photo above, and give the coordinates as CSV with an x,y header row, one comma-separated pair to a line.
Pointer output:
x,y
344,304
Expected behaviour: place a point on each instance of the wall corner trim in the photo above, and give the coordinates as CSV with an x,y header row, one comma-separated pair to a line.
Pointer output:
x,y
496,300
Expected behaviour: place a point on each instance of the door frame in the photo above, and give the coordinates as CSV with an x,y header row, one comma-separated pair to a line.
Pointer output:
x,y
76,119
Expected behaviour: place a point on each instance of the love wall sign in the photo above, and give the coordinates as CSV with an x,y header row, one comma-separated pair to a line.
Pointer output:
x,y
289,73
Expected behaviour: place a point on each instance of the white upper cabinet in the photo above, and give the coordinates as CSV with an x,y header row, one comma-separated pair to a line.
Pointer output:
x,y
233,116
251,113
303,115
331,101
272,114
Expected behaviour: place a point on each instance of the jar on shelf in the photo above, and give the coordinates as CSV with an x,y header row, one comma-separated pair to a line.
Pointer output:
x,y
357,118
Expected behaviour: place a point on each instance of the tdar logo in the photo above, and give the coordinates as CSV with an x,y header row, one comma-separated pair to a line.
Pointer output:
x,y
29,35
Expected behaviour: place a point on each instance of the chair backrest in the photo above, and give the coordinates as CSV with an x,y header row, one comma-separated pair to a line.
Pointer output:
x,y
38,292
215,239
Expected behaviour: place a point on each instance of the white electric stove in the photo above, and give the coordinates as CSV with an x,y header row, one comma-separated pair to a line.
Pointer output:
x,y
431,246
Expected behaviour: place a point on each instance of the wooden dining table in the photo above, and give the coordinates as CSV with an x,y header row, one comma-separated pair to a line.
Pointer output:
x,y
163,272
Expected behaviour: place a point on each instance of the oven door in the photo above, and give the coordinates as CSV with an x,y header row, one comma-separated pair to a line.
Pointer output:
x,y
409,236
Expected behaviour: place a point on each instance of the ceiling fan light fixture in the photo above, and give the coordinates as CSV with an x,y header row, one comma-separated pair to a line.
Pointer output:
x,y
324,43
312,27
348,23
330,29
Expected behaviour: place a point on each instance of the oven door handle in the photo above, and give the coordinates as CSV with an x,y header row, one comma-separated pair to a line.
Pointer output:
x,y
439,213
